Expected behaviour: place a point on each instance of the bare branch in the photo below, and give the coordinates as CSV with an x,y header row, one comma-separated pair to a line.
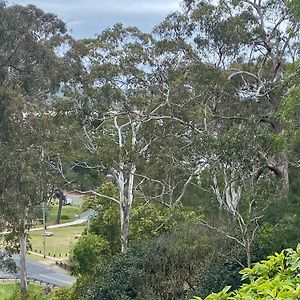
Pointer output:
x,y
85,165
222,232
191,177
239,72
94,193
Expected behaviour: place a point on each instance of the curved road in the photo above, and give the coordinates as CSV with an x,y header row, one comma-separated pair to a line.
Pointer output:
x,y
42,272
84,217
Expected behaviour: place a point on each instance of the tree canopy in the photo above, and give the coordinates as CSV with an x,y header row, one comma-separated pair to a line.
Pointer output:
x,y
186,140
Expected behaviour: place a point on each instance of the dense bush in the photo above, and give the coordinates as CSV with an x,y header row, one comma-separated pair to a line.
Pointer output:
x,y
89,252
63,294
146,222
167,267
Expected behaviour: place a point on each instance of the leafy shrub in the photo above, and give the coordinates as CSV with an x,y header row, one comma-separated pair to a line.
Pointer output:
x,y
275,278
146,221
63,293
65,217
88,253
163,268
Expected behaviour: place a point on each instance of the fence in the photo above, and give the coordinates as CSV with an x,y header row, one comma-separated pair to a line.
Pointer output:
x,y
30,279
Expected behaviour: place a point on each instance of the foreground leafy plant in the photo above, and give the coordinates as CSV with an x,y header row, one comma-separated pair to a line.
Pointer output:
x,y
275,278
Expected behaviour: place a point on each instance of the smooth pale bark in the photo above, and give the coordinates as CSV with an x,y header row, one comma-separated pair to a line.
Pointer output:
x,y
231,194
284,164
125,217
23,250
126,198
125,179
124,210
248,253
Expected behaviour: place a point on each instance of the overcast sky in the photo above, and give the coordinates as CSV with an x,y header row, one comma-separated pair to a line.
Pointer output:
x,y
86,18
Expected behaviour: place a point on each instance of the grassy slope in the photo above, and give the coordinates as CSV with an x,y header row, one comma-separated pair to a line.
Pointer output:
x,y
69,213
61,242
10,291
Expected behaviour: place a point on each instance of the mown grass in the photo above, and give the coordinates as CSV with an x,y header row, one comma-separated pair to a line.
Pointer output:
x,y
59,244
68,214
11,291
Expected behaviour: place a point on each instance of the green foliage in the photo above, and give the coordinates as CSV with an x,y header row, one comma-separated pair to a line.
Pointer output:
x,y
7,263
289,110
106,225
222,271
99,203
281,226
295,7
156,111
119,279
31,72
33,65
275,278
90,251
164,268
62,294
152,220
147,219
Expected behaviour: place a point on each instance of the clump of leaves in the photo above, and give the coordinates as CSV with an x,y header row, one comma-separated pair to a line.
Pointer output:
x,y
275,278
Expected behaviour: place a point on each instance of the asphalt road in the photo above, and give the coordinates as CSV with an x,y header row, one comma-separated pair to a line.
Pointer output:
x,y
90,213
42,272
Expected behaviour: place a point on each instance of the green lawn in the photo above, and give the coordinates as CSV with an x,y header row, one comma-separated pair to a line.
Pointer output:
x,y
68,214
60,243
10,291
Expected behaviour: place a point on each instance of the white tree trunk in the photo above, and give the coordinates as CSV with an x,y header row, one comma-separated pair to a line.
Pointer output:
x,y
284,164
125,215
232,191
23,250
126,202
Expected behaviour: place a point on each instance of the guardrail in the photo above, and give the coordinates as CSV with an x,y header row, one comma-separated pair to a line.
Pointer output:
x,y
30,279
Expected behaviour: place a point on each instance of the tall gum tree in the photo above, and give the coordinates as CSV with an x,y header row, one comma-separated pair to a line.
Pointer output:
x,y
252,41
30,72
123,101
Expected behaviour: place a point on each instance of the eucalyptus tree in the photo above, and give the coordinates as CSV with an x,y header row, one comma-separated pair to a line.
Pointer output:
x,y
252,42
122,95
27,185
31,70
295,7
238,50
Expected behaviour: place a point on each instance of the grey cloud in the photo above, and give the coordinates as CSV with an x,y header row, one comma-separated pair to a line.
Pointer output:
x,y
89,17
